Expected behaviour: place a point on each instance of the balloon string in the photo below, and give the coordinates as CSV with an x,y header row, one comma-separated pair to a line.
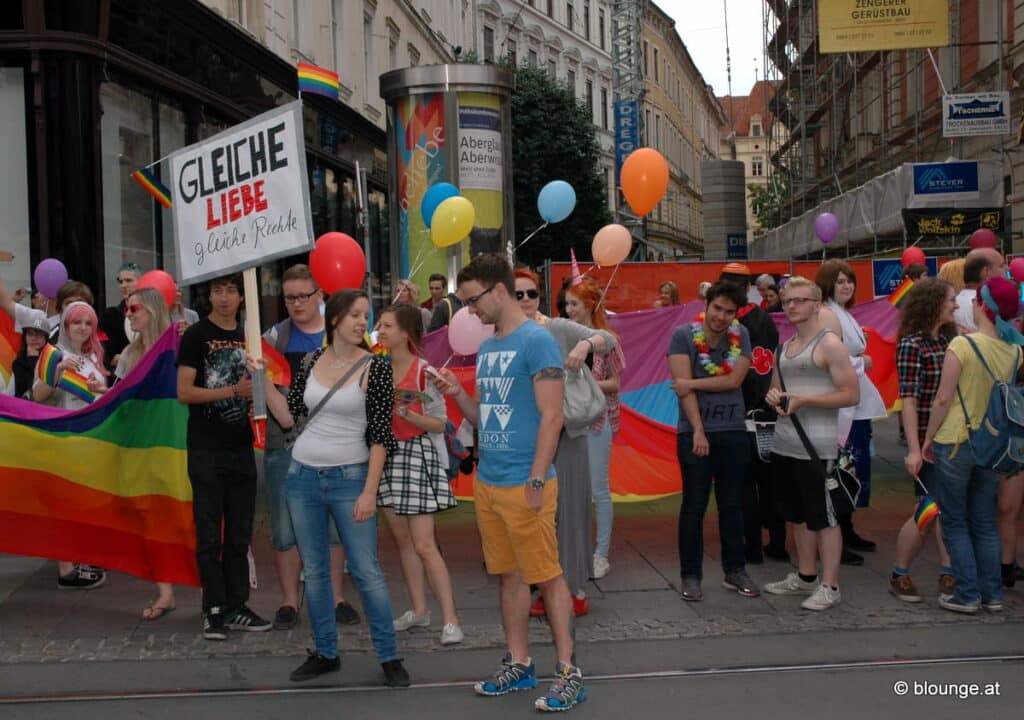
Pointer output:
x,y
450,356
531,235
607,287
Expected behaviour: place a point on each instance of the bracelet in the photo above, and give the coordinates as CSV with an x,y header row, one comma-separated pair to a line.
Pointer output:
x,y
589,342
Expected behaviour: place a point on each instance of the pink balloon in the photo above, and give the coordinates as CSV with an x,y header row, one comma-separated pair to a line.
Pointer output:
x,y
983,238
1017,269
466,332
826,227
911,256
162,282
611,245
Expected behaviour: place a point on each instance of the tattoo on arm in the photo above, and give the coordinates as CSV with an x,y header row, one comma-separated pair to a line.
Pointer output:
x,y
551,373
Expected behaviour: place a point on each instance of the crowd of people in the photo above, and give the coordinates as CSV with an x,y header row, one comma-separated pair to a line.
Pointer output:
x,y
362,430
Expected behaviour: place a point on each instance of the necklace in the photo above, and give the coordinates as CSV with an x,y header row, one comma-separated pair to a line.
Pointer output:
x,y
337,363
704,352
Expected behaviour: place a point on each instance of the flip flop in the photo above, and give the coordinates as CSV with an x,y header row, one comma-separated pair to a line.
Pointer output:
x,y
155,612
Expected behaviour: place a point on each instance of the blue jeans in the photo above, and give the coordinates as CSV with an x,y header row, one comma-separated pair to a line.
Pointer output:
x,y
859,442
726,464
967,496
276,462
599,451
317,498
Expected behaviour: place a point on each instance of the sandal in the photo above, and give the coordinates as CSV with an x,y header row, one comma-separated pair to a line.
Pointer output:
x,y
155,612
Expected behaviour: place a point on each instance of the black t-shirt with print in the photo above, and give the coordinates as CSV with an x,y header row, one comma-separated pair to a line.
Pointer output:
x,y
218,357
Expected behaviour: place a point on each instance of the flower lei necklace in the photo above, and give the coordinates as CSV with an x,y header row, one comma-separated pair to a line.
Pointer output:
x,y
704,352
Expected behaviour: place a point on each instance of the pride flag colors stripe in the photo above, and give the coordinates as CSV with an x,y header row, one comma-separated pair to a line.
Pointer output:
x,y
46,366
318,80
927,510
10,343
74,383
160,192
277,367
898,295
105,485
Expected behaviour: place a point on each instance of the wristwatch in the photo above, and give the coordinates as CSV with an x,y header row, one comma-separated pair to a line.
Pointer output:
x,y
536,483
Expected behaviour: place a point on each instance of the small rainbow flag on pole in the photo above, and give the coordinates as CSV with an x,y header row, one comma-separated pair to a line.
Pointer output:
x,y
277,367
898,295
927,510
46,367
318,80
154,187
74,383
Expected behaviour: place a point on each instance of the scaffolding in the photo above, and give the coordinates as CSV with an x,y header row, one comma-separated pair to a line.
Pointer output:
x,y
628,84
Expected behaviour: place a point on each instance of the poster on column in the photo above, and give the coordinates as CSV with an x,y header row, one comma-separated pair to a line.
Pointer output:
x,y
241,197
481,167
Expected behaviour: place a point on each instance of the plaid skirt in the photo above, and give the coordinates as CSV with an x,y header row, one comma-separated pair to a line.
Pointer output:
x,y
413,482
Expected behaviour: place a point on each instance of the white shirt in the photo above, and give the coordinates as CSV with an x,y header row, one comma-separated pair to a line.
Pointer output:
x,y
964,315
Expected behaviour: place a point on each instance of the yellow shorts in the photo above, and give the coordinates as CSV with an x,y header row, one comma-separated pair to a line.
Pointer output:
x,y
514,537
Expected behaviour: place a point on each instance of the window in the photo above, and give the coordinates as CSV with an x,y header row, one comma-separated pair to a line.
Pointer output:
x,y
586,21
604,108
570,80
645,58
369,69
414,55
570,13
531,57
657,132
488,44
655,64
551,8
298,24
600,28
511,56
756,166
589,99
553,68
392,52
755,129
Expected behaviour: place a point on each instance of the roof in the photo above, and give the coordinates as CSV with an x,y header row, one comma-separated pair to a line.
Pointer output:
x,y
742,107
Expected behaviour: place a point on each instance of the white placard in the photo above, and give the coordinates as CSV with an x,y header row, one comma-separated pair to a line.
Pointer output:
x,y
241,197
480,152
985,113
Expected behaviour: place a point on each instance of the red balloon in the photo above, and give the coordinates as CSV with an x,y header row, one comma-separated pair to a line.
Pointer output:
x,y
162,282
983,238
337,262
912,255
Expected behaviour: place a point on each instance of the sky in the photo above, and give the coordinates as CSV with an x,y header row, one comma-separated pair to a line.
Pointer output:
x,y
703,33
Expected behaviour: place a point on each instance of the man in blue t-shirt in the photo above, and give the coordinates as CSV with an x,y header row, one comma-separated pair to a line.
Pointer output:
x,y
517,410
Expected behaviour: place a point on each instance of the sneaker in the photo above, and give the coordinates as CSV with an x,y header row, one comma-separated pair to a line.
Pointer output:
x,y
82,577
856,542
451,634
822,599
1009,574
690,590
395,674
946,584
792,585
537,609
903,587
993,606
213,625
286,618
565,691
740,582
345,614
245,619
776,552
950,603
580,605
315,666
411,620
851,558
601,567
510,677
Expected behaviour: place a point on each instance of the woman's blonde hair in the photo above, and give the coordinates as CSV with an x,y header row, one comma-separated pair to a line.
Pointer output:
x,y
159,321
953,273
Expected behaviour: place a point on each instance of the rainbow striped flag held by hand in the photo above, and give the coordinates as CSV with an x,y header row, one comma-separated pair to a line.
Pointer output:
x,y
149,182
927,510
277,367
318,80
897,296
46,367
74,383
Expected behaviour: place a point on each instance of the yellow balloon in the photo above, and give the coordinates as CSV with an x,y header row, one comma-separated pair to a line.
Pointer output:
x,y
452,222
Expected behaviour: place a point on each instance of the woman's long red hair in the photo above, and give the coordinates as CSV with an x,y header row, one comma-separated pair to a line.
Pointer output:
x,y
589,293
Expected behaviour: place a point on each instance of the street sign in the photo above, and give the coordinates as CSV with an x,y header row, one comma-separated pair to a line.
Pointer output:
x,y
946,181
736,246
985,113
627,132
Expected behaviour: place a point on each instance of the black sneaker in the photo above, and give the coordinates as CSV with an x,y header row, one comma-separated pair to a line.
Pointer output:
x,y
395,674
286,618
245,619
82,577
851,558
345,614
1009,575
315,666
213,625
856,542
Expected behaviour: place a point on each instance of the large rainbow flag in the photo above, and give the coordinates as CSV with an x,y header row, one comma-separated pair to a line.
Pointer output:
x,y
105,485
10,343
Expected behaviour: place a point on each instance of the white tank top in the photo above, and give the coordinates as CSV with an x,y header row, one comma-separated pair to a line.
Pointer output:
x,y
337,434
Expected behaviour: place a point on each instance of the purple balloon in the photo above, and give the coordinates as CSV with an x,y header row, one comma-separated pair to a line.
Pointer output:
x,y
50,274
826,227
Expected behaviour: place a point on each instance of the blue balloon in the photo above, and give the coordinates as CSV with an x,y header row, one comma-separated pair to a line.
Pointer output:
x,y
433,197
556,201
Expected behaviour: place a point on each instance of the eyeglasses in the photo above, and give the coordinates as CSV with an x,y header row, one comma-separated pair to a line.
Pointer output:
x,y
299,299
532,294
797,301
132,309
472,300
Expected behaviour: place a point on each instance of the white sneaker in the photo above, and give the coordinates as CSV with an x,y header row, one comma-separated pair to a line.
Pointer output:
x,y
411,620
822,599
451,634
601,567
792,585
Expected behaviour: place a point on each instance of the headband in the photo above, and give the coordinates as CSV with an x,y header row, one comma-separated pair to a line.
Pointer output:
x,y
1004,328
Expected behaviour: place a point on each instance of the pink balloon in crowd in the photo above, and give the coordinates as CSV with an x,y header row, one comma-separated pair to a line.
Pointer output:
x,y
983,238
466,332
1017,269
826,227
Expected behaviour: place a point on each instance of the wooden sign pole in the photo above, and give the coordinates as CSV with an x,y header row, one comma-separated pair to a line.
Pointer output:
x,y
254,340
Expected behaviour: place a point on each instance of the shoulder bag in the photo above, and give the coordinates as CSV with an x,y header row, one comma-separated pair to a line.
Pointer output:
x,y
583,403
300,426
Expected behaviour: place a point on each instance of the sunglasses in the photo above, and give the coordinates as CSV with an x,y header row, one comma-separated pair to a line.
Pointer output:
x,y
532,294
132,309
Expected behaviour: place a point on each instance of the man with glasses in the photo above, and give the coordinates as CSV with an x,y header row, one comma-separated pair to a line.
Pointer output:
x,y
300,333
517,409
819,379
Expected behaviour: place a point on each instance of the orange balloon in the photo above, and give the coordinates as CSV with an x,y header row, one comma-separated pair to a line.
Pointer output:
x,y
611,245
644,179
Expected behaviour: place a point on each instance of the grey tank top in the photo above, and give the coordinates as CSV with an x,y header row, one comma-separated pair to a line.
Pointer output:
x,y
821,425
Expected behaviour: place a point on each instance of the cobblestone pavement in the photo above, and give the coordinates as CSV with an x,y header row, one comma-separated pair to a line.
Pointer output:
x,y
638,600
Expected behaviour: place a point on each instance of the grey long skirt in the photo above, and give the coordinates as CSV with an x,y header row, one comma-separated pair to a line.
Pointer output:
x,y
572,519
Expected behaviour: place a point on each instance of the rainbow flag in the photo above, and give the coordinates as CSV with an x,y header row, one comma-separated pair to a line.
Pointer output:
x,y
927,510
318,80
160,192
105,485
277,367
74,383
897,296
10,344
46,366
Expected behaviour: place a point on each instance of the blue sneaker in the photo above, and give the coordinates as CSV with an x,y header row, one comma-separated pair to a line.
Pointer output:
x,y
566,690
512,676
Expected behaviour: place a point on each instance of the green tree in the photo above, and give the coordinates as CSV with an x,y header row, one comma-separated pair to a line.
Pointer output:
x,y
766,201
554,138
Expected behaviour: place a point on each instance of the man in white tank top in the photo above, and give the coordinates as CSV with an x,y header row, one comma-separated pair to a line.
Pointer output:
x,y
819,379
